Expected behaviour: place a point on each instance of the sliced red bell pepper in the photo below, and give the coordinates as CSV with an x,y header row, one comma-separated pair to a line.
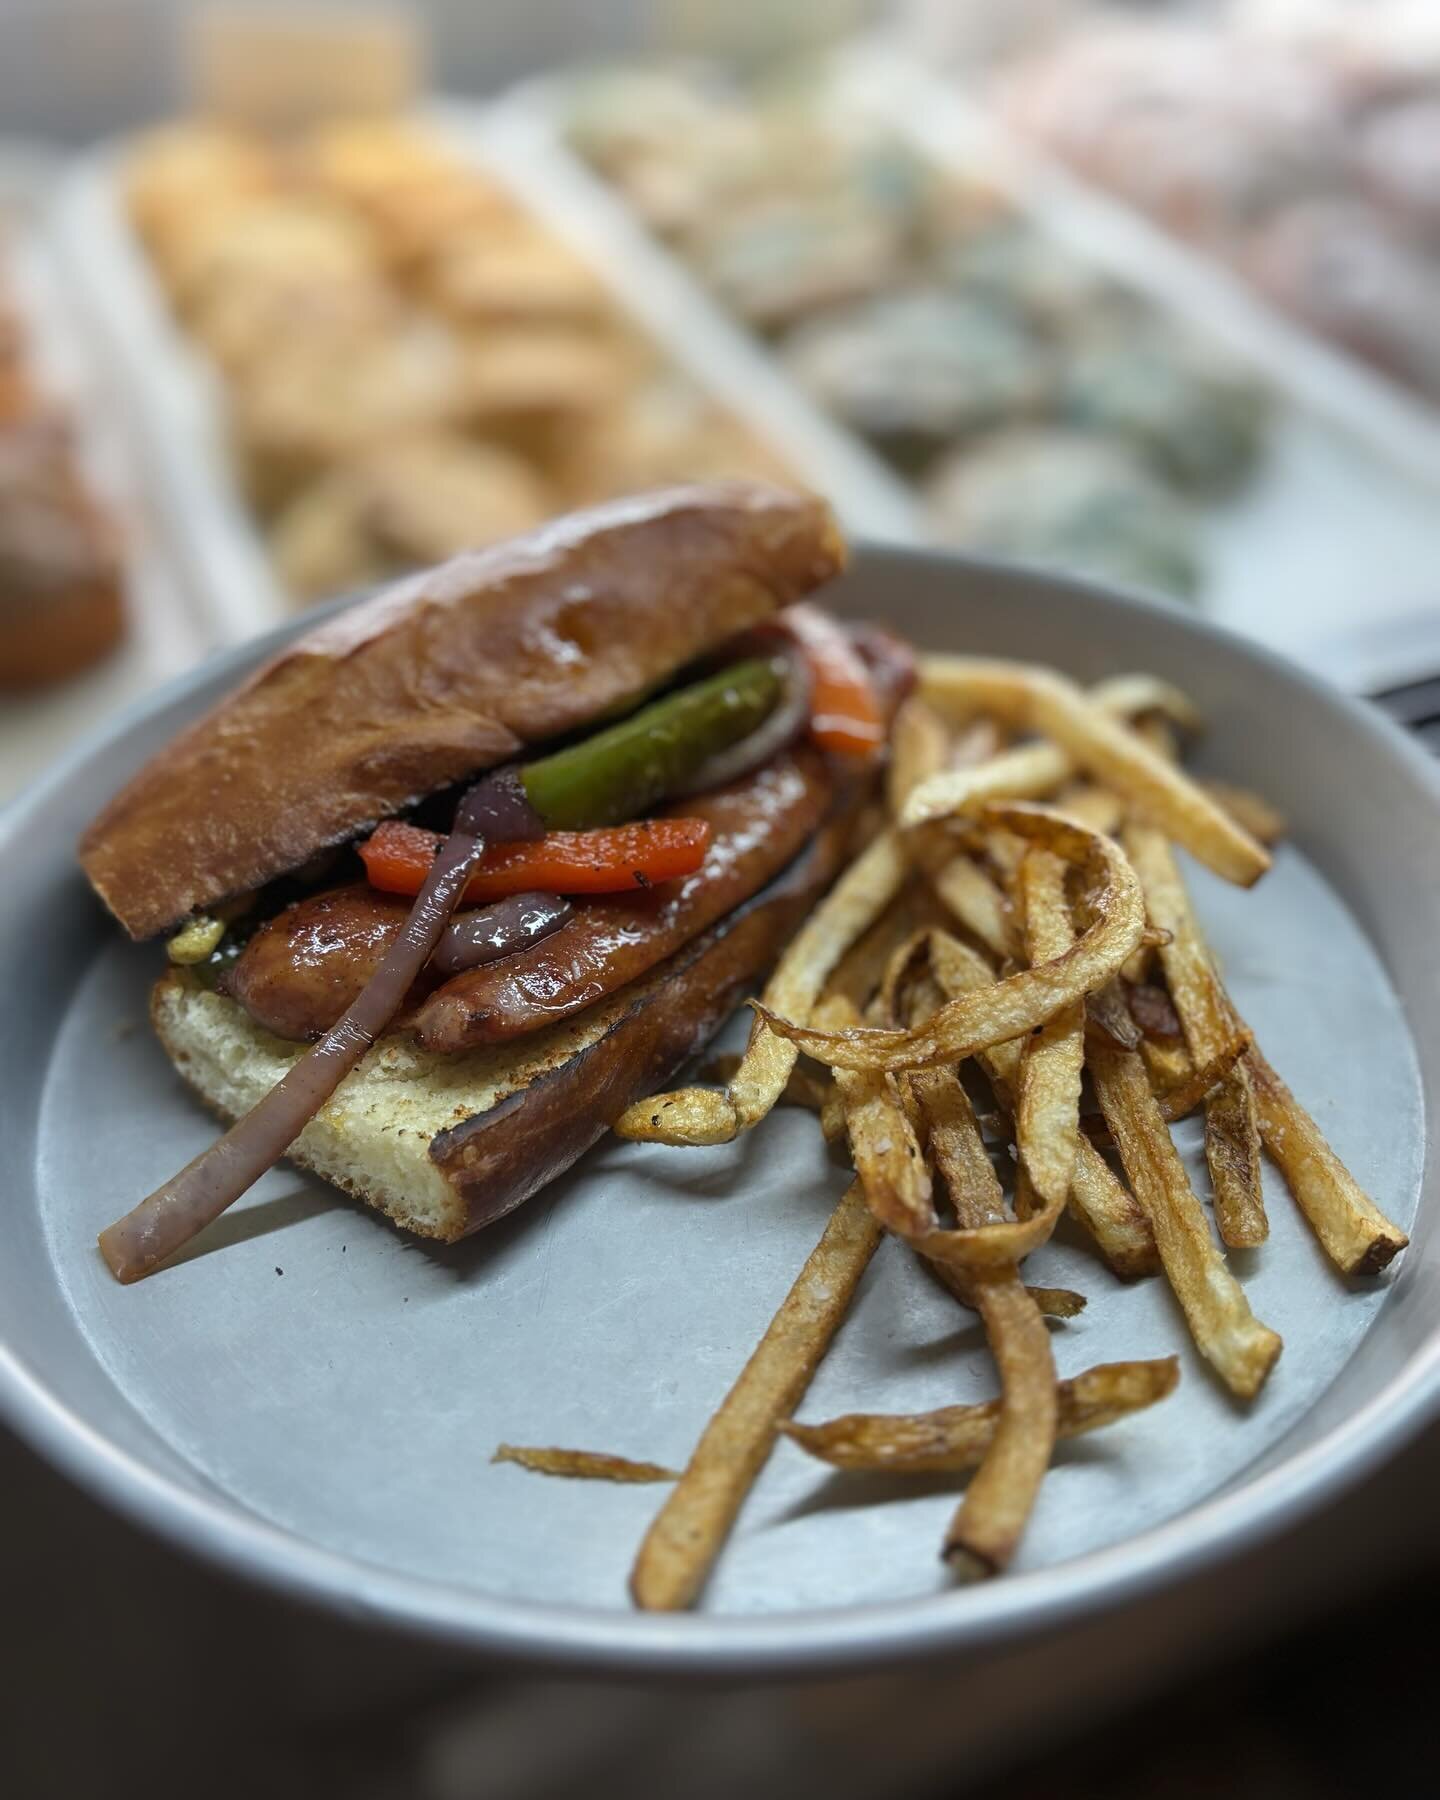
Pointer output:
x,y
397,858
845,713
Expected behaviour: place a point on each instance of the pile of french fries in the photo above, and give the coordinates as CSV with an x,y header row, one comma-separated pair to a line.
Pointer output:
x,y
1017,924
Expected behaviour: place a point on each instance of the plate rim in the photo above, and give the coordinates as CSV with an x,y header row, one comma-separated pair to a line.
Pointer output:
x,y
221,1532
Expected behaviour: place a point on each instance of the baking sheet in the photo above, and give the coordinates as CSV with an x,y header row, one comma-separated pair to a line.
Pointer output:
x,y
317,1399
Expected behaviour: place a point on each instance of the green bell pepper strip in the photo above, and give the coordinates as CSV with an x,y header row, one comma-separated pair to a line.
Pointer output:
x,y
625,770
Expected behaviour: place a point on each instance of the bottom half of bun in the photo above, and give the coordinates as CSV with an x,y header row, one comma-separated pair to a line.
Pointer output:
x,y
442,1145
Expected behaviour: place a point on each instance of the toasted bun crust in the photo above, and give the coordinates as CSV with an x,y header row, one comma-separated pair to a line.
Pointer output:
x,y
445,1144
442,676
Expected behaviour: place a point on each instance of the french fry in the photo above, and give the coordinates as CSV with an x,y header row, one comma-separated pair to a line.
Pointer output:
x,y
581,1465
990,1520
1096,808
1054,1303
1035,771
956,1438
1249,810
1021,1001
1200,1002
1047,1106
702,1116
862,968
1169,1065
806,1088
681,1545
1046,702
1240,1349
1232,1153
919,748
1098,1201
882,1142
1355,1234
977,902
1207,1019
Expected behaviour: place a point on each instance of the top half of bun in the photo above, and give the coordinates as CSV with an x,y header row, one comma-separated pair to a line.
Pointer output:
x,y
446,674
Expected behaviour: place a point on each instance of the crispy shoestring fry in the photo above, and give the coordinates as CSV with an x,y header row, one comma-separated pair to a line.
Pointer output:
x,y
977,902
1204,1012
862,968
1046,702
1249,811
1232,1131
919,748
1168,1065
689,1530
1226,1332
1098,1201
1047,1106
1232,1154
1054,1303
702,1116
581,1465
882,1143
1021,1001
1034,771
1355,1234
1096,808
991,1519
956,1438
807,1088
1179,1102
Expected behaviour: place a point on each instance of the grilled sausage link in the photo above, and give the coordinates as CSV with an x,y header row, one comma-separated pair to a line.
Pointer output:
x,y
302,969
759,824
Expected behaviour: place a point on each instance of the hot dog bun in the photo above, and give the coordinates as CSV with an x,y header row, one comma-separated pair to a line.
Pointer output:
x,y
444,675
443,1144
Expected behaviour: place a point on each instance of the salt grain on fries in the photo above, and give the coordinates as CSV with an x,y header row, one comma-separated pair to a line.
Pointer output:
x,y
955,1438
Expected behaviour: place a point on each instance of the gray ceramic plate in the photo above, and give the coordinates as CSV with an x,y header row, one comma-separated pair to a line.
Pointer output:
x,y
313,1401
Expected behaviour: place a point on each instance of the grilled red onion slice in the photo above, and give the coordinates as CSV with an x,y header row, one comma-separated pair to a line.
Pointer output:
x,y
494,808
500,930
784,725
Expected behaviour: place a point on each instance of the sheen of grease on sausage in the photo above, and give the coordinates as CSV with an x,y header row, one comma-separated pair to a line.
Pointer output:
x,y
759,824
301,970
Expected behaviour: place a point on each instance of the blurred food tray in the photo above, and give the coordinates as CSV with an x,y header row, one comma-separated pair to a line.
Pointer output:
x,y
163,633
177,403
1338,519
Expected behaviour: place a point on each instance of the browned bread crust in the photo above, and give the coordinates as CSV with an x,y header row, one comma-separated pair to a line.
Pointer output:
x,y
442,676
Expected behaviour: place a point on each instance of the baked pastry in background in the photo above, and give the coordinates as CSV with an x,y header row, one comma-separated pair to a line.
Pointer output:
x,y
61,600
401,506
